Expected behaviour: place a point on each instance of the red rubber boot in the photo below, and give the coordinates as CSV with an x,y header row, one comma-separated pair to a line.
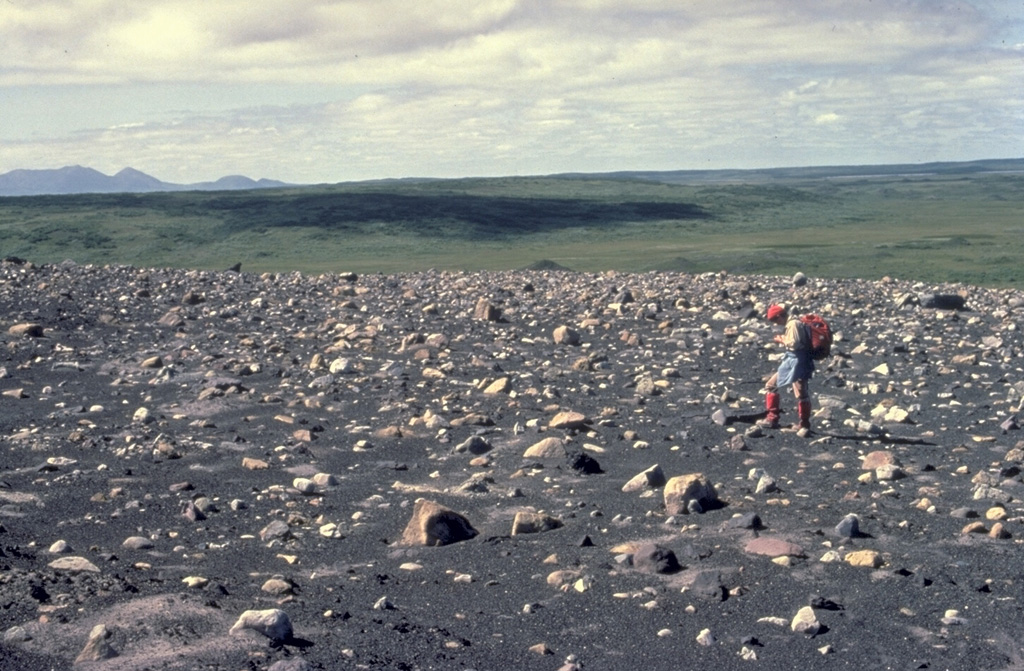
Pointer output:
x,y
803,410
771,418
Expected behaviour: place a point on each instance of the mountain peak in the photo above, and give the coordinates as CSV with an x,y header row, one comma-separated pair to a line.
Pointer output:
x,y
130,171
130,179
71,169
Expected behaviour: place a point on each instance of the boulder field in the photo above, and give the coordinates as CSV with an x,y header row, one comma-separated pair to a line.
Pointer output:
x,y
522,469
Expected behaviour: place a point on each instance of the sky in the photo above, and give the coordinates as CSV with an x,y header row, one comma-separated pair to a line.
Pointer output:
x,y
321,91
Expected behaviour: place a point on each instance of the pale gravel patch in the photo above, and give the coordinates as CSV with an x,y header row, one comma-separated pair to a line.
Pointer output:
x,y
136,627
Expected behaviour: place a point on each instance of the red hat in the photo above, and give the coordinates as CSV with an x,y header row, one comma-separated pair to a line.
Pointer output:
x,y
775,311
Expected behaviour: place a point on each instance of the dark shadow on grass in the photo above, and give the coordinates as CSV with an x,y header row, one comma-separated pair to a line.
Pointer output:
x,y
453,215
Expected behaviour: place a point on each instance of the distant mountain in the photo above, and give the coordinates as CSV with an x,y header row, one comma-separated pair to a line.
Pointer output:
x,y
134,180
77,179
237,182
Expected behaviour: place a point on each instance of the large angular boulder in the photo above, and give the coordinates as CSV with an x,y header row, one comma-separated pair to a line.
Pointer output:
x,y
546,448
97,648
692,492
569,419
564,335
272,623
527,522
27,329
652,478
654,558
433,524
486,311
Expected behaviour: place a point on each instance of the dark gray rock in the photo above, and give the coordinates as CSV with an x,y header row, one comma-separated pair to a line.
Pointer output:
x,y
943,301
848,527
653,558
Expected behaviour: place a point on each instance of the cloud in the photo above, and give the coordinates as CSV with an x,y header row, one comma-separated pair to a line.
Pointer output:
x,y
396,41
343,89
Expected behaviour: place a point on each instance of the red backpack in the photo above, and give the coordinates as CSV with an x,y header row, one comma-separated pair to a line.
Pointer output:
x,y
820,336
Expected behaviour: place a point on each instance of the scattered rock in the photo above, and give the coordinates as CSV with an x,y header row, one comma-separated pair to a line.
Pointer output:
x,y
653,558
272,623
432,524
848,527
527,522
181,445
97,648
684,491
773,547
27,329
74,565
548,448
563,335
568,419
806,622
652,478
865,558
486,311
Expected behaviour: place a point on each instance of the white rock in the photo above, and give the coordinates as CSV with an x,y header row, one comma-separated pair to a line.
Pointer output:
x,y
330,530
73,564
137,543
60,547
325,480
896,415
805,622
889,472
341,366
304,485
272,623
766,485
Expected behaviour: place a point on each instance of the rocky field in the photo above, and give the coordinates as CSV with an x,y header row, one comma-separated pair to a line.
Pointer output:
x,y
542,470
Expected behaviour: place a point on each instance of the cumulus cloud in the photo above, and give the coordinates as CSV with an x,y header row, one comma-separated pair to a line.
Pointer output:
x,y
330,89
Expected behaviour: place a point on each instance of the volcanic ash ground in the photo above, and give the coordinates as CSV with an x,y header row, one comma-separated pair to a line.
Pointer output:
x,y
543,470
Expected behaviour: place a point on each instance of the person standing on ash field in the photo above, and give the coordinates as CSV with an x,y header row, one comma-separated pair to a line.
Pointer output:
x,y
805,338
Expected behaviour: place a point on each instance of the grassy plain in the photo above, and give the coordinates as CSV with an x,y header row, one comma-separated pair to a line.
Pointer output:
x,y
957,226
